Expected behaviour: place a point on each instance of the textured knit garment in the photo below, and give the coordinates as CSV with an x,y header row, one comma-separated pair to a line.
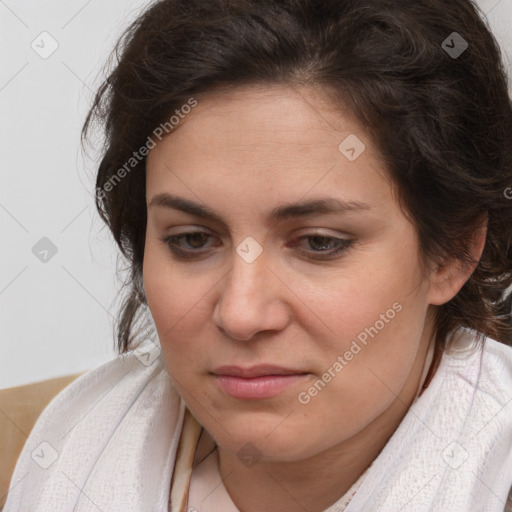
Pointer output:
x,y
109,442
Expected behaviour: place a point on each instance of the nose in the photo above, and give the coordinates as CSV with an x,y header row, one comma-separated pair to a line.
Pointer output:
x,y
252,299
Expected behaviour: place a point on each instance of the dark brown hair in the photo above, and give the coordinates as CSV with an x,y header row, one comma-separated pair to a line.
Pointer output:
x,y
439,114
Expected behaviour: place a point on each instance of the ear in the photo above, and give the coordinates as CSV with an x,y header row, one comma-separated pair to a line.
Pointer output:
x,y
449,277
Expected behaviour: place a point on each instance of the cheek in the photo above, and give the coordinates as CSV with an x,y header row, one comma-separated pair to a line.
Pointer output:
x,y
360,381
376,321
177,302
379,295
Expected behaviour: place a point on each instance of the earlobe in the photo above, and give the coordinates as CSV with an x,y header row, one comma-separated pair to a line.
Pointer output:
x,y
450,276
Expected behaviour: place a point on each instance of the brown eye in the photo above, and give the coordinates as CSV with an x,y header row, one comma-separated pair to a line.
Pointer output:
x,y
188,245
320,246
194,244
320,243
197,239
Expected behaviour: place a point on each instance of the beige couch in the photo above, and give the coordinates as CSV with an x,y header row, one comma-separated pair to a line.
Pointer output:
x,y
19,409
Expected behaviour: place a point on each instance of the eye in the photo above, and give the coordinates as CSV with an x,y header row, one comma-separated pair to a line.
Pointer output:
x,y
323,246
320,246
194,240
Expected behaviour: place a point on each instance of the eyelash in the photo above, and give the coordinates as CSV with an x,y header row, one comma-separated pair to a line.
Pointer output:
x,y
343,246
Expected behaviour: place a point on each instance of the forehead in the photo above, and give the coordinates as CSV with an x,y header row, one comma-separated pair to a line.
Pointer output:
x,y
271,141
266,114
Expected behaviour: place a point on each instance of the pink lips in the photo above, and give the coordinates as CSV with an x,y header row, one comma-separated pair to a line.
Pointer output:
x,y
257,382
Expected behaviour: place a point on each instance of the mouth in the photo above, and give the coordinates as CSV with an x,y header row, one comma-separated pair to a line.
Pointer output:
x,y
257,382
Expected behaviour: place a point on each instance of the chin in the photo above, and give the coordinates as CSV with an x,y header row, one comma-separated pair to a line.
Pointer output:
x,y
267,439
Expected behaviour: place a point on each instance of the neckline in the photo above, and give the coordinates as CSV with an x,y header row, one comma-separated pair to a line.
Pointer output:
x,y
208,493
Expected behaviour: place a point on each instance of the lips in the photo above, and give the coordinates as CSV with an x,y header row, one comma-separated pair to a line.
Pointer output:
x,y
256,371
256,382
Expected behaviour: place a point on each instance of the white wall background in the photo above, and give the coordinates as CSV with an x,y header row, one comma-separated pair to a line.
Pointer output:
x,y
57,318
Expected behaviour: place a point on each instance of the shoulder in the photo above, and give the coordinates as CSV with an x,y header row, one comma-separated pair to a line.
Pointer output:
x,y
477,370
112,384
487,359
129,400
499,354
477,376
496,368
496,373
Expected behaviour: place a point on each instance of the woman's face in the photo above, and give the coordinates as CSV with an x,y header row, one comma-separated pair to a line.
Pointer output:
x,y
307,263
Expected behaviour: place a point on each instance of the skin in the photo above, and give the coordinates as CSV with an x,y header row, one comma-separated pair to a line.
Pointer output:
x,y
242,153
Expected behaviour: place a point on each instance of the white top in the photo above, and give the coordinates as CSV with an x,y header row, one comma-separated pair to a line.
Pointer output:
x,y
108,441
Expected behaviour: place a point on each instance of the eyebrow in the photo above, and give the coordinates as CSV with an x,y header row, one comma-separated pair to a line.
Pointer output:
x,y
322,206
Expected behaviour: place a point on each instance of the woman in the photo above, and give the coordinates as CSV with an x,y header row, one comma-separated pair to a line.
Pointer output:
x,y
312,199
